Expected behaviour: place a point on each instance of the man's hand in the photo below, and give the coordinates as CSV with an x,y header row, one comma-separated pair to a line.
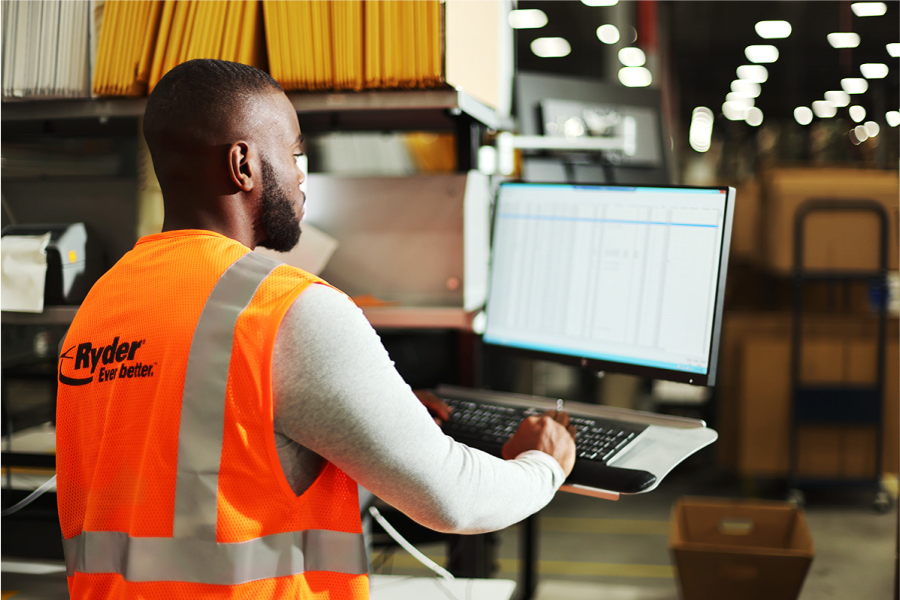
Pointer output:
x,y
550,433
436,407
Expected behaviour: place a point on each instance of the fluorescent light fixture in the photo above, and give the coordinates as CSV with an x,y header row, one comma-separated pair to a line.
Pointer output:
x,y
739,100
608,34
893,49
703,115
837,98
754,117
527,19
600,2
868,9
824,109
551,47
873,70
854,85
803,115
734,111
632,57
773,30
861,133
857,113
761,53
843,39
635,76
745,88
754,73
700,135
892,117
872,128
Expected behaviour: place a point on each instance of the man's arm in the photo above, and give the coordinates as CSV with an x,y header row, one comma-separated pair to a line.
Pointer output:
x,y
338,394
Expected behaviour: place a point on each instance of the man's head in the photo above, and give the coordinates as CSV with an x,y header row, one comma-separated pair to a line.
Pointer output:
x,y
224,140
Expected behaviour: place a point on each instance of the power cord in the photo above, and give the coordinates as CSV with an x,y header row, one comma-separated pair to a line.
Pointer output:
x,y
442,572
30,498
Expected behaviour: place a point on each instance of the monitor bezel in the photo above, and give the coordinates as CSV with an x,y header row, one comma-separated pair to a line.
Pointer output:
x,y
599,365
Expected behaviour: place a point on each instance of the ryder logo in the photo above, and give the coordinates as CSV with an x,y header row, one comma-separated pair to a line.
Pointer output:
x,y
116,361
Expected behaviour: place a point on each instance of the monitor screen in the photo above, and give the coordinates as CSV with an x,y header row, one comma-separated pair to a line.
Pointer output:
x,y
619,278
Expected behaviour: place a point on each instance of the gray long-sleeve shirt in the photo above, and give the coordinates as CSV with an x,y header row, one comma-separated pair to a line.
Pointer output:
x,y
339,398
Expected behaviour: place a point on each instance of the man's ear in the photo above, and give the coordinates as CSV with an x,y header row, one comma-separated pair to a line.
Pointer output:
x,y
240,168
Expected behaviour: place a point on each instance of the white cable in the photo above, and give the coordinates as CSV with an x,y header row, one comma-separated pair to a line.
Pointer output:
x,y
409,547
31,498
12,218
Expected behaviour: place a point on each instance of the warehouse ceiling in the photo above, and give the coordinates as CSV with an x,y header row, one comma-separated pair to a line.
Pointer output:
x,y
703,44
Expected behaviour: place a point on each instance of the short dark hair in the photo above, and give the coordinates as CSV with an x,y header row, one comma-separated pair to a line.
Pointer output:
x,y
197,97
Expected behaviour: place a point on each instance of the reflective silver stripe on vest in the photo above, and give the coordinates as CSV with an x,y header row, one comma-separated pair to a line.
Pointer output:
x,y
202,561
203,400
192,554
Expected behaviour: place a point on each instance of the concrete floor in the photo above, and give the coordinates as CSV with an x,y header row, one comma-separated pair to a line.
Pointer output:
x,y
596,549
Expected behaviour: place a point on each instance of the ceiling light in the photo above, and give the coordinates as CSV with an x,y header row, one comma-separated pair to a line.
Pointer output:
x,y
754,117
527,19
551,47
893,49
745,88
803,115
773,30
872,128
868,9
734,111
600,2
700,135
608,34
632,57
754,73
761,53
873,70
837,98
635,76
892,117
861,133
739,100
824,109
857,113
854,85
843,40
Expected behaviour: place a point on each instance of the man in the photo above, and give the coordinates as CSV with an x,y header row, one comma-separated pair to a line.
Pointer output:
x,y
221,407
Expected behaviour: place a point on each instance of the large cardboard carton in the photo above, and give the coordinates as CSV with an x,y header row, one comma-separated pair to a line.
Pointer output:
x,y
738,549
755,395
839,241
746,236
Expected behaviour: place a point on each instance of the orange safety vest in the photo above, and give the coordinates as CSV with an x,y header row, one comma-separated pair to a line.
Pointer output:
x,y
169,482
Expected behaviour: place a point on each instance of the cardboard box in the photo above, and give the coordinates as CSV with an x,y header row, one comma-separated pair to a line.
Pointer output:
x,y
840,241
738,549
755,391
745,232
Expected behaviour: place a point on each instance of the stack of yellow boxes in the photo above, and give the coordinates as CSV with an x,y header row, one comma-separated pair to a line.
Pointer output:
x,y
141,41
305,44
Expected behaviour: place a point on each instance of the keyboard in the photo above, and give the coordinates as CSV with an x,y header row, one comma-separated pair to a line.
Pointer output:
x,y
595,438
597,441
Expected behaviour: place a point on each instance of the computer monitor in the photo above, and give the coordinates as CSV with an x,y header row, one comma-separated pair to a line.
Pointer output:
x,y
614,278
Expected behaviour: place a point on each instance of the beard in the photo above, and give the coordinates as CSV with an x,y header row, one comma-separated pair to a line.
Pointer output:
x,y
279,223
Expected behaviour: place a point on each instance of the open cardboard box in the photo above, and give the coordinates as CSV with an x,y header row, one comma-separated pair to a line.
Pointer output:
x,y
739,549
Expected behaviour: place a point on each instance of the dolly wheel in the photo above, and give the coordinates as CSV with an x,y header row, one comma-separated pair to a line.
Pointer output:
x,y
796,497
883,501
